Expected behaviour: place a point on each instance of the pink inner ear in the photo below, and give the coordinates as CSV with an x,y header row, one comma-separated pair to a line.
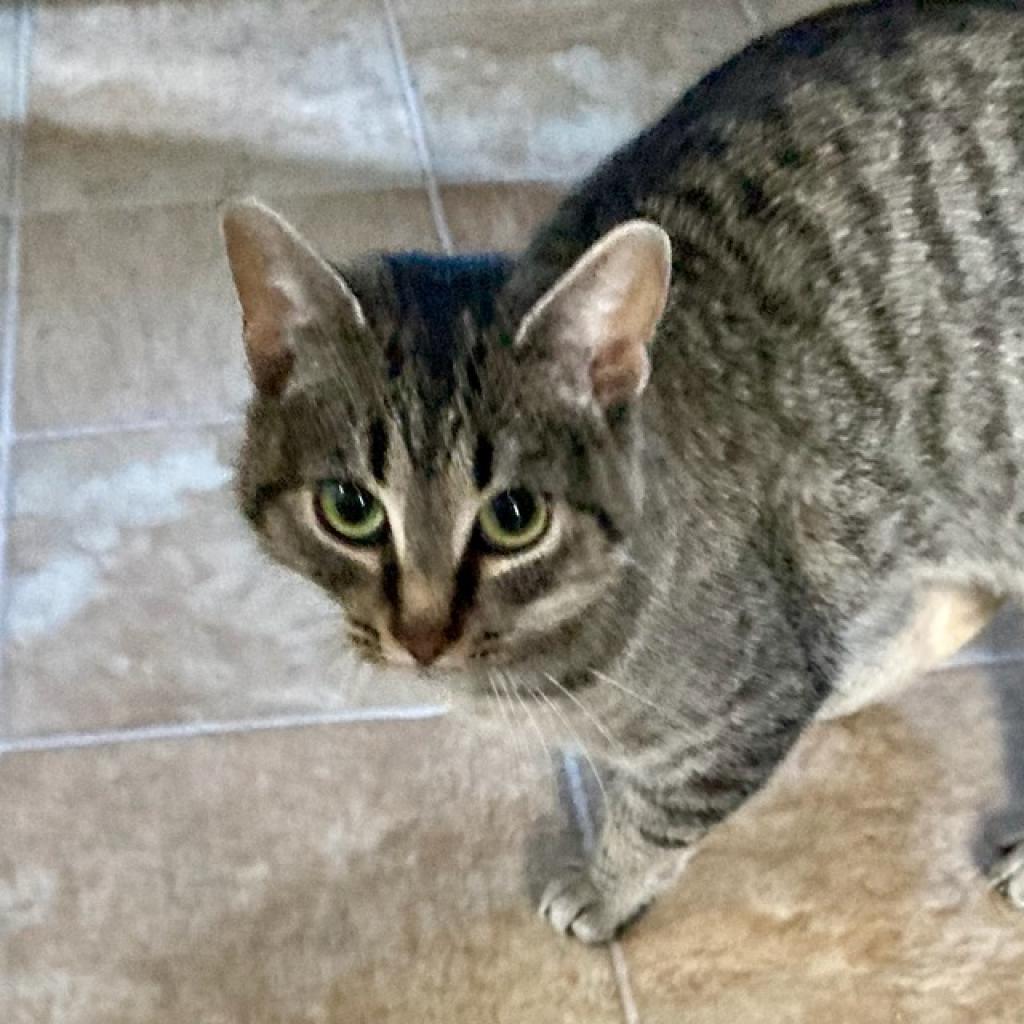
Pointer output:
x,y
618,372
270,371
263,324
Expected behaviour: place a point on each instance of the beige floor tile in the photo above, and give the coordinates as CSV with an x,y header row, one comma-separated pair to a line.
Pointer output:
x,y
9,69
350,875
138,596
776,13
581,7
543,96
850,890
5,238
5,298
129,314
1002,638
164,102
501,218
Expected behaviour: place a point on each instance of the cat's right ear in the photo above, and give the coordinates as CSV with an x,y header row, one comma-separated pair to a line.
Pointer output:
x,y
283,286
596,323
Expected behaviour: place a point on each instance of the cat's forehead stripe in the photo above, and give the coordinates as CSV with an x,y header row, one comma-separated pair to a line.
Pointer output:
x,y
378,449
432,293
442,304
483,462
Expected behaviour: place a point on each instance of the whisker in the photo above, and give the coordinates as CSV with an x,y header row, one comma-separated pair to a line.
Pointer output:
x,y
626,690
545,748
518,737
579,740
509,726
598,724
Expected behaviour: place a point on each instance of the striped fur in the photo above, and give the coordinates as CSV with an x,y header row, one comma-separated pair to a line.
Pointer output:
x,y
827,459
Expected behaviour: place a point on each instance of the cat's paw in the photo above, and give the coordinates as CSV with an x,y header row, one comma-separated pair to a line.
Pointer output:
x,y
574,905
1006,875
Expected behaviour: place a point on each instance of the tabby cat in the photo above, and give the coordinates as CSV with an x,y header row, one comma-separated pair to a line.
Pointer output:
x,y
737,442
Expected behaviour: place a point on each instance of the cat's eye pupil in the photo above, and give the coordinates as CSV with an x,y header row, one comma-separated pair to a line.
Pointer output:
x,y
515,510
513,520
352,503
346,510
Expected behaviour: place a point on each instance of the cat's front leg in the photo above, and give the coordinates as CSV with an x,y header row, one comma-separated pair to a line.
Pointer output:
x,y
638,856
654,820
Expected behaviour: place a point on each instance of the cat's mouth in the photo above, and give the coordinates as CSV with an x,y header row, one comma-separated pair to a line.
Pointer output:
x,y
465,655
469,663
429,654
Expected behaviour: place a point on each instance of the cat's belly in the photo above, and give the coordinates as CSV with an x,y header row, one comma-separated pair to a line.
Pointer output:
x,y
944,618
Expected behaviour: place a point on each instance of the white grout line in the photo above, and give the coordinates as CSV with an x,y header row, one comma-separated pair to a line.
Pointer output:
x,y
752,14
9,326
19,112
419,133
621,969
585,821
128,427
193,730
580,804
979,660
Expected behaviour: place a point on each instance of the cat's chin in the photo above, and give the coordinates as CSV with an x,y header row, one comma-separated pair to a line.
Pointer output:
x,y
475,682
510,672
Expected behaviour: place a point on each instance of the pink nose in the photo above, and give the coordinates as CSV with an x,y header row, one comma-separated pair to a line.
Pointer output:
x,y
425,641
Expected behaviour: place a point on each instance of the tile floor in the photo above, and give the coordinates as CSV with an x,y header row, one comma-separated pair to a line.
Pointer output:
x,y
208,813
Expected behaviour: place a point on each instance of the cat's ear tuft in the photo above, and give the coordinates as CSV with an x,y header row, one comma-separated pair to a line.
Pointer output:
x,y
599,318
283,285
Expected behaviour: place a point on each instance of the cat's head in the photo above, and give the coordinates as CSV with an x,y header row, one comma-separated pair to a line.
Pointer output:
x,y
457,465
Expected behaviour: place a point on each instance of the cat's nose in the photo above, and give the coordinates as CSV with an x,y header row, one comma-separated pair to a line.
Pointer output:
x,y
425,641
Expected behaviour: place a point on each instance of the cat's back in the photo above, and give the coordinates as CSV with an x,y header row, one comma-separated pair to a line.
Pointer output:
x,y
845,201
812,118
861,67
848,192
862,46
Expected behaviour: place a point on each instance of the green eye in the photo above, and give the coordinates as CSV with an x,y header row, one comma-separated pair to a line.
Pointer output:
x,y
348,511
513,520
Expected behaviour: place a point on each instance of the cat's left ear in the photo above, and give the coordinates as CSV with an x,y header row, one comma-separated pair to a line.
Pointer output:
x,y
284,288
597,320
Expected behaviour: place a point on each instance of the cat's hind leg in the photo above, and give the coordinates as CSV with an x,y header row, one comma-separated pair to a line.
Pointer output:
x,y
904,636
1006,875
